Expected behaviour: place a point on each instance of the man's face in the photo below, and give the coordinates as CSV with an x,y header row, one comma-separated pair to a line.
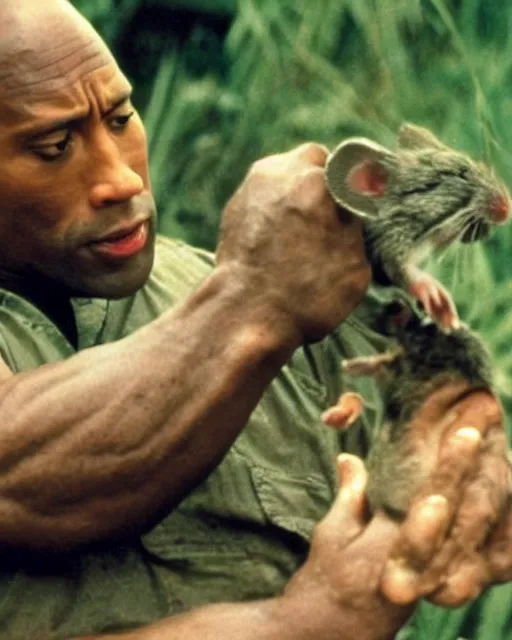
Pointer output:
x,y
75,199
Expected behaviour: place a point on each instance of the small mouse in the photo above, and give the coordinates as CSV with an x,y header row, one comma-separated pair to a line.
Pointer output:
x,y
423,358
416,200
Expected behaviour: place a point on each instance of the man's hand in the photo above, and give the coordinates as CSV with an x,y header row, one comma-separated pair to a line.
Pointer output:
x,y
340,580
457,537
335,594
293,247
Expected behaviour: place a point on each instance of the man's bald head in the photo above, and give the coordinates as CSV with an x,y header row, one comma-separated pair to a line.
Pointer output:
x,y
45,45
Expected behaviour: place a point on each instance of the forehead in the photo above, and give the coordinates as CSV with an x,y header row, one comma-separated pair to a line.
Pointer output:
x,y
51,57
31,74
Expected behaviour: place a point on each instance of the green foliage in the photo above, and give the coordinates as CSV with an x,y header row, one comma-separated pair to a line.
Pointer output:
x,y
488,618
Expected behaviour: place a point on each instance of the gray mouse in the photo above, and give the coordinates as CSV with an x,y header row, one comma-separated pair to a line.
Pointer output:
x,y
423,357
416,200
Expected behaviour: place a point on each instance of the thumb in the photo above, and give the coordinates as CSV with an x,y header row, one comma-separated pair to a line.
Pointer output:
x,y
348,513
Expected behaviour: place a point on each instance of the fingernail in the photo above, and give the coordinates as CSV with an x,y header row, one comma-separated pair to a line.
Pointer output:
x,y
344,468
467,434
465,440
350,480
436,504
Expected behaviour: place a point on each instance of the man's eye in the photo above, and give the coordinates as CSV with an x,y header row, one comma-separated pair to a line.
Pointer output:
x,y
53,150
119,122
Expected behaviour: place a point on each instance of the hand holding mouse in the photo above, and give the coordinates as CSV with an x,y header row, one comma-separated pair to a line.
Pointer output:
x,y
292,246
466,504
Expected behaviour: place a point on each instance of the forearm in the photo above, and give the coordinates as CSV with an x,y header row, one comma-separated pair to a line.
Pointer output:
x,y
335,595
102,443
265,620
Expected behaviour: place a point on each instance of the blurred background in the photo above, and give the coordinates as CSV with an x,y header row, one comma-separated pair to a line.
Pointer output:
x,y
220,83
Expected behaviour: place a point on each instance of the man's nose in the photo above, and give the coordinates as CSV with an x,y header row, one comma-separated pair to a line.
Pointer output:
x,y
115,181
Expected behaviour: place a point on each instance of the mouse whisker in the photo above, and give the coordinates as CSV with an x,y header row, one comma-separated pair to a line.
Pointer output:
x,y
464,218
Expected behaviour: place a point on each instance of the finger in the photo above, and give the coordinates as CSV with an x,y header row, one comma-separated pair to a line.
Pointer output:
x,y
423,532
464,585
309,193
499,552
350,503
457,458
353,478
481,410
346,518
469,570
486,496
468,476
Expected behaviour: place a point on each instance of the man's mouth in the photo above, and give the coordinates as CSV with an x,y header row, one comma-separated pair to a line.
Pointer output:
x,y
123,243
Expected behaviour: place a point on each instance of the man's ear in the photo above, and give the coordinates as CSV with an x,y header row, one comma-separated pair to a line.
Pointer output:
x,y
357,176
413,137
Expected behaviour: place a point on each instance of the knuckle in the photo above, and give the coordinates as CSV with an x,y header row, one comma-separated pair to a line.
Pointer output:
x,y
257,168
457,591
493,410
265,166
355,288
313,152
308,191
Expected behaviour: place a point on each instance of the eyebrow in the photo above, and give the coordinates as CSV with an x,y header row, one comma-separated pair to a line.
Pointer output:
x,y
126,95
67,123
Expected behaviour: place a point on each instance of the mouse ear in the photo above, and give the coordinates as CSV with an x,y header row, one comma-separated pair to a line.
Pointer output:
x,y
413,137
356,175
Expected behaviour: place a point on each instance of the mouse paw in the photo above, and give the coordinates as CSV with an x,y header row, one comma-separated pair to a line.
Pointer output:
x,y
435,300
345,412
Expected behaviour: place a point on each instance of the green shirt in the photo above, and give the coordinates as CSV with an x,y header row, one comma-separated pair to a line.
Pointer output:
x,y
242,532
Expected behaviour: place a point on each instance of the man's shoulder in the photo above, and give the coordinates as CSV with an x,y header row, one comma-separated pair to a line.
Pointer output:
x,y
170,250
178,267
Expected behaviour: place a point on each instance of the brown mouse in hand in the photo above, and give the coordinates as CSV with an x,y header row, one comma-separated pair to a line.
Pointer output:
x,y
416,200
423,358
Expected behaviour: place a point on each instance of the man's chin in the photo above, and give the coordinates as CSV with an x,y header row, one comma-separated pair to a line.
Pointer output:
x,y
118,283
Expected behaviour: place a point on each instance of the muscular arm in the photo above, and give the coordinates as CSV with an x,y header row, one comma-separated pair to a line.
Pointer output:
x,y
104,443
100,443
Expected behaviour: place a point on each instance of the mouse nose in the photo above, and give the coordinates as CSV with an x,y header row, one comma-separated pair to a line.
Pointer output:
x,y
499,208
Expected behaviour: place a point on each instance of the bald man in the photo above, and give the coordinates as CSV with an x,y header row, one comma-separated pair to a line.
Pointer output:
x,y
162,465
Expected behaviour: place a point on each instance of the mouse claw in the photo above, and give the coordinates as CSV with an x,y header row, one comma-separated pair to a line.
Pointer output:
x,y
435,300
